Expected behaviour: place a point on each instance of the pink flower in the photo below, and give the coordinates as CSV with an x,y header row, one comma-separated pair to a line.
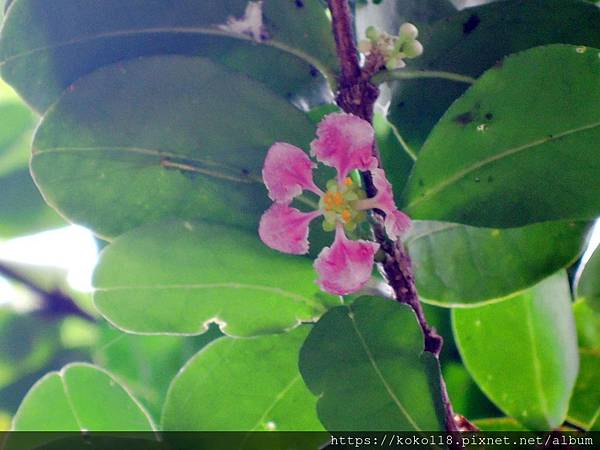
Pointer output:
x,y
344,142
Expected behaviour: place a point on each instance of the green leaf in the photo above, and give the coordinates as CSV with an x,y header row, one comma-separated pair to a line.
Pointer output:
x,y
466,397
584,407
502,155
588,325
474,40
499,424
588,283
162,137
370,355
206,273
80,397
395,156
522,352
457,265
147,363
257,379
45,48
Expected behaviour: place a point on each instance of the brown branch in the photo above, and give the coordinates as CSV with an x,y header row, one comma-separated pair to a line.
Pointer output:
x,y
357,95
55,303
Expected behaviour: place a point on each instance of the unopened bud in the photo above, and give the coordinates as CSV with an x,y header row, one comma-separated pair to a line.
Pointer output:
x,y
372,33
408,32
413,49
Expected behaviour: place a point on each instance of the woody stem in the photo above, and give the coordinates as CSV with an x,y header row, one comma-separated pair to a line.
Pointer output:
x,y
357,95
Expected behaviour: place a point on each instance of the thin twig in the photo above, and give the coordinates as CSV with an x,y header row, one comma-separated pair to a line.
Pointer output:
x,y
55,303
357,95
402,74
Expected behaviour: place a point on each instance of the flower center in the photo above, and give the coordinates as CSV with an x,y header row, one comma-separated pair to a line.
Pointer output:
x,y
339,204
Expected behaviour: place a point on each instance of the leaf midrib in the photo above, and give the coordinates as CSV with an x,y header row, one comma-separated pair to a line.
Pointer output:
x,y
164,154
379,373
274,290
212,31
537,372
426,195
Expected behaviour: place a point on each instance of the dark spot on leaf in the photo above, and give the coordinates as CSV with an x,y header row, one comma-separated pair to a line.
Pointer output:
x,y
299,4
489,116
245,172
464,118
490,179
550,136
401,104
313,71
421,182
472,23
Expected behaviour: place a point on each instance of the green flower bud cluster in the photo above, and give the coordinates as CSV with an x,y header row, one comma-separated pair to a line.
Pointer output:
x,y
394,49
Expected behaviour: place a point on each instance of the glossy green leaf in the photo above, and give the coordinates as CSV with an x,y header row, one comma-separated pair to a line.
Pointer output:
x,y
147,364
502,155
158,138
475,39
370,355
45,48
466,397
588,283
584,407
395,159
457,265
522,352
80,397
588,325
206,273
257,378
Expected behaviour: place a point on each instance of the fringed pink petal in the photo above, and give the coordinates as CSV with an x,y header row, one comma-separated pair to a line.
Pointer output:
x,y
286,229
287,172
396,222
345,141
384,199
346,266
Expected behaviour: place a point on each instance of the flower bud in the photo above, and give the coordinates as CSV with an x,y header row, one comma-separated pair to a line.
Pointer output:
x,y
372,33
408,32
413,49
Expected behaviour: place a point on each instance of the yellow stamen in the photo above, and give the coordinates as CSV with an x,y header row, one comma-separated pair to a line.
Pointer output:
x,y
346,216
348,181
